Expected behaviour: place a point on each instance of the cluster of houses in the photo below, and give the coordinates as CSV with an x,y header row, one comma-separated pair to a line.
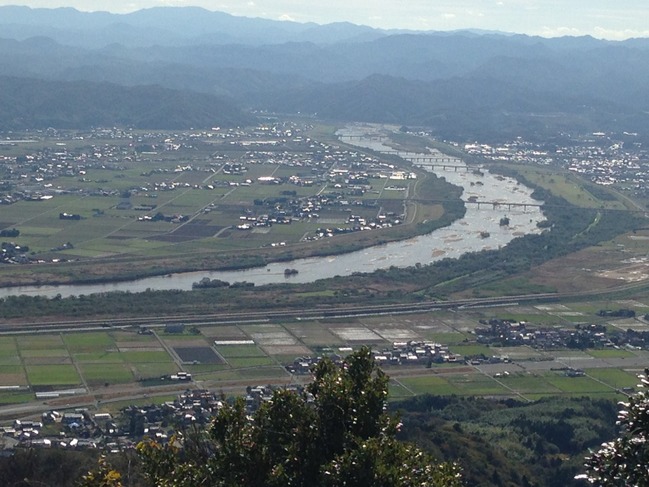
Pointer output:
x,y
346,174
506,333
413,352
357,223
67,430
249,222
82,429
33,176
304,365
604,158
10,253
416,352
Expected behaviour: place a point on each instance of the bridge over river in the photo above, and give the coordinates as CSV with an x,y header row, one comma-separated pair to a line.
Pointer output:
x,y
492,205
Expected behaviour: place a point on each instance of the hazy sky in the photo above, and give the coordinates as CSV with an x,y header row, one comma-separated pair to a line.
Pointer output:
x,y
601,18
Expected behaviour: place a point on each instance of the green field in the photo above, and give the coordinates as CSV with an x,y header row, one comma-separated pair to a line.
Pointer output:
x,y
470,350
525,384
108,359
566,186
615,378
146,357
397,391
239,351
96,374
610,353
39,342
88,342
577,385
250,362
52,375
428,385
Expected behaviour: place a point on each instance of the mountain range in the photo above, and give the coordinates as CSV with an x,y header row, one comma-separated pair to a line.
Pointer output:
x,y
462,85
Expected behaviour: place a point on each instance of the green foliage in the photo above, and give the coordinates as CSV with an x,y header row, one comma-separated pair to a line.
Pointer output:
x,y
41,467
624,461
336,433
9,232
385,461
103,476
542,443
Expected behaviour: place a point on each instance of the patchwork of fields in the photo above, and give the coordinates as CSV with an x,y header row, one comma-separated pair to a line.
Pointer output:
x,y
68,364
186,192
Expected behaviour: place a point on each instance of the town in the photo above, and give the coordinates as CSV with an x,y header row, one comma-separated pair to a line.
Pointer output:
x,y
619,159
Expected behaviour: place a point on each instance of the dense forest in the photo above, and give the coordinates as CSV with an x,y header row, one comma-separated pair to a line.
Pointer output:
x,y
507,442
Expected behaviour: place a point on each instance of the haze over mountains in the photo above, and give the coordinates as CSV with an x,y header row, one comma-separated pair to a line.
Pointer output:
x,y
211,68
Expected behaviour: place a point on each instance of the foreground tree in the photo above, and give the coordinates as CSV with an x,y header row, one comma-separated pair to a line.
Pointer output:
x,y
103,476
625,461
336,433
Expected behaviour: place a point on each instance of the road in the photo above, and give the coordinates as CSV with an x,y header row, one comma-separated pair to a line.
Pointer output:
x,y
131,392
264,316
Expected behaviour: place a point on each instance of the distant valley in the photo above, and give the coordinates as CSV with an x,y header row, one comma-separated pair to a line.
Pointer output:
x,y
463,85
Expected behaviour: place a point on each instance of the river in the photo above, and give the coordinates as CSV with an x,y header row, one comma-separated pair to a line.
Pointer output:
x,y
468,234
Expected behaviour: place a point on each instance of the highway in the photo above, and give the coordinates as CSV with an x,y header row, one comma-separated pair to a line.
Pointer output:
x,y
252,317
315,313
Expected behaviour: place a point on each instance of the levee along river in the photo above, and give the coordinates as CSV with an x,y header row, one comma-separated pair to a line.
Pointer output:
x,y
480,229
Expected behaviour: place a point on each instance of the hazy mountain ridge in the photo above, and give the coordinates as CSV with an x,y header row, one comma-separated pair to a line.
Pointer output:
x,y
163,26
28,103
464,81
463,108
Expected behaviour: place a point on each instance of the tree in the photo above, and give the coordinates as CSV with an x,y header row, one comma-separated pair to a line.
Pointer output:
x,y
625,460
103,476
334,433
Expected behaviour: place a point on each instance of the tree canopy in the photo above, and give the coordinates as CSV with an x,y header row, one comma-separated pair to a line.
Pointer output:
x,y
625,460
336,432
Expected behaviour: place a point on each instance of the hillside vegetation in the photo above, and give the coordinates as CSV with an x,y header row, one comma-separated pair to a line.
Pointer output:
x,y
31,103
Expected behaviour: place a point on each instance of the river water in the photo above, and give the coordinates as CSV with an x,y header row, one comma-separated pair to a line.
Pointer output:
x,y
462,236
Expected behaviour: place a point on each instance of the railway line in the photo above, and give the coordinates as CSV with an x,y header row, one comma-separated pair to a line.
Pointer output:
x,y
322,312
252,317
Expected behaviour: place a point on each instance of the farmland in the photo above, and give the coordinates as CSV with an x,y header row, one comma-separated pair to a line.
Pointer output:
x,y
116,204
96,205
108,365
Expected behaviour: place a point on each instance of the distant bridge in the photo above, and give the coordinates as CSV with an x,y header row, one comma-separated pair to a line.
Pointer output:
x,y
434,160
440,163
496,205
491,205
499,205
376,138
418,157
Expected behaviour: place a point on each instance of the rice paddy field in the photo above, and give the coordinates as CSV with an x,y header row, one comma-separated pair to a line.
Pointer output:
x,y
111,361
157,194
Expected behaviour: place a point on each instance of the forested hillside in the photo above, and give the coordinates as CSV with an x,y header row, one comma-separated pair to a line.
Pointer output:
x,y
30,103
510,443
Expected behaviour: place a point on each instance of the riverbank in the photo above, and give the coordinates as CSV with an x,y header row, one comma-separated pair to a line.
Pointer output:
x,y
424,216
365,253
